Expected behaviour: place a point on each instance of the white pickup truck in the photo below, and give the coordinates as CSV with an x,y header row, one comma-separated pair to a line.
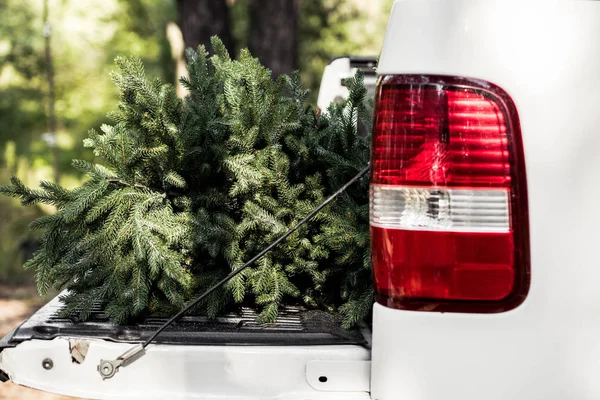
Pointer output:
x,y
484,238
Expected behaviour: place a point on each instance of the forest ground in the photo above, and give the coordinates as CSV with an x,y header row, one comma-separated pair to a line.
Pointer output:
x,y
16,305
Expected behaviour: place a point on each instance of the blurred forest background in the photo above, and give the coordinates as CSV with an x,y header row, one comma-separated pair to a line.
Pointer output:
x,y
61,52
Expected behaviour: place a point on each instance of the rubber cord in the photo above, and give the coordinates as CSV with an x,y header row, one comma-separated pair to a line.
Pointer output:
x,y
223,281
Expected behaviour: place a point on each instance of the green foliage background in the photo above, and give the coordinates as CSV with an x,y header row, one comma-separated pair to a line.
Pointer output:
x,y
86,38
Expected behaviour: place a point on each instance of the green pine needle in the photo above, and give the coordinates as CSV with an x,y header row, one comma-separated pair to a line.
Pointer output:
x,y
184,191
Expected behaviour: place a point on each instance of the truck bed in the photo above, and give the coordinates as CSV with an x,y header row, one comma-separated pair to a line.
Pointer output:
x,y
304,355
294,326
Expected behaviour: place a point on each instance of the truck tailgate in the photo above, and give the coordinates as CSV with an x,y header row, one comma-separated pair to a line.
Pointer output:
x,y
304,355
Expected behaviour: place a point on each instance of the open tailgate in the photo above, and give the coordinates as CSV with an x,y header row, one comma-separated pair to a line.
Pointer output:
x,y
303,355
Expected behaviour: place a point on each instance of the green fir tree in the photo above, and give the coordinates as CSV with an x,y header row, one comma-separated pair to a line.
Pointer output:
x,y
188,190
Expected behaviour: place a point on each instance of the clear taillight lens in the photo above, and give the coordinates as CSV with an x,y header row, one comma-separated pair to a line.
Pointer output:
x,y
448,196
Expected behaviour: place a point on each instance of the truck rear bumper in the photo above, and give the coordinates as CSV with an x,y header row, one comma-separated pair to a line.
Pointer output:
x,y
69,367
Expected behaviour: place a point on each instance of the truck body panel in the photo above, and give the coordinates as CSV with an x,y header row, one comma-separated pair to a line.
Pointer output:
x,y
545,55
194,372
303,355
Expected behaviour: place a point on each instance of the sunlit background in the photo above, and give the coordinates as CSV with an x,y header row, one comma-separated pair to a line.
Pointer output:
x,y
85,38
68,47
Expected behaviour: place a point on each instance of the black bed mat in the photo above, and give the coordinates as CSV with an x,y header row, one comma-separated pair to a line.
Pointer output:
x,y
293,327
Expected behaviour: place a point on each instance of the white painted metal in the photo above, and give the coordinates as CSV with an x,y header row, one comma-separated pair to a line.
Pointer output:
x,y
331,89
190,372
545,54
339,375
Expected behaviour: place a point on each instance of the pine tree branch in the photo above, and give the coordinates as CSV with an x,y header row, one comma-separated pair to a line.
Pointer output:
x,y
127,184
240,160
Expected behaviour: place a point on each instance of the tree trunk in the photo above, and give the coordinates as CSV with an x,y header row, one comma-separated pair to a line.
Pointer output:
x,y
51,109
201,19
175,38
274,34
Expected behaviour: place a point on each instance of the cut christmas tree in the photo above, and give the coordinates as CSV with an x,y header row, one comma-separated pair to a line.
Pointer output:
x,y
187,190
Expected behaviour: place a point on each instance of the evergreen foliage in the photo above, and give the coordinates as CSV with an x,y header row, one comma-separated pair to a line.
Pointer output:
x,y
190,189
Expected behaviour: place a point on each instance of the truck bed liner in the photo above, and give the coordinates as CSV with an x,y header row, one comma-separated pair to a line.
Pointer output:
x,y
294,326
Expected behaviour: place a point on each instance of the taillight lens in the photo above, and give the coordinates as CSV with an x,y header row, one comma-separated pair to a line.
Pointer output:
x,y
449,227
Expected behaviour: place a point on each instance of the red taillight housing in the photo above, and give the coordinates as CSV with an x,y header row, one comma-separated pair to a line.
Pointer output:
x,y
449,226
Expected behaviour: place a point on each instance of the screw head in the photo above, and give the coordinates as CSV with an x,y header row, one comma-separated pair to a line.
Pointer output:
x,y
106,369
47,364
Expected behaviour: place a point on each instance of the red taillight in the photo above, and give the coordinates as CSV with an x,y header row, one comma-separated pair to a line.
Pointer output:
x,y
449,224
